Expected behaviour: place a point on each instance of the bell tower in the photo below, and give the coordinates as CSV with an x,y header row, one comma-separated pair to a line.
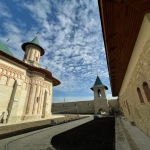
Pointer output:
x,y
33,51
100,99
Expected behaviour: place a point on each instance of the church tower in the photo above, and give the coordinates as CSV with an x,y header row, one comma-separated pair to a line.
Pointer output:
x,y
33,51
100,99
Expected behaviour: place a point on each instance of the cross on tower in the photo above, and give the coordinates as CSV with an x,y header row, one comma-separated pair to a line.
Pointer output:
x,y
7,40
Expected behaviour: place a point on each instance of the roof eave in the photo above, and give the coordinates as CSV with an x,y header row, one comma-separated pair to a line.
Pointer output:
x,y
29,43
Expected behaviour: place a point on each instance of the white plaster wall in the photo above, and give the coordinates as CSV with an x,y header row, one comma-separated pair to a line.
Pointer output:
x,y
3,80
5,94
21,104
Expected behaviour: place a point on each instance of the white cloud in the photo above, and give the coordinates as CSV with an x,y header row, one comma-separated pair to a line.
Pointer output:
x,y
4,11
40,9
10,27
71,35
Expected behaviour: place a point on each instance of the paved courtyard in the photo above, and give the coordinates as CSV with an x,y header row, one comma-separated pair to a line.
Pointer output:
x,y
38,140
128,137
97,134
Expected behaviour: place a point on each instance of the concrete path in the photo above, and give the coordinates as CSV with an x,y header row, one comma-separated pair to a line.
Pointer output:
x,y
121,141
25,121
130,137
38,140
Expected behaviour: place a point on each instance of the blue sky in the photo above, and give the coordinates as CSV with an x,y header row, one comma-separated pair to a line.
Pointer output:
x,y
71,34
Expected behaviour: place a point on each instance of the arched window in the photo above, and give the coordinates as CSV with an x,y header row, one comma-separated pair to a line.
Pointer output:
x,y
99,92
146,91
36,58
140,95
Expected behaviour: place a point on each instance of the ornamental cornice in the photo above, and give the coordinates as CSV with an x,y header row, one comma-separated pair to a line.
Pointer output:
x,y
11,69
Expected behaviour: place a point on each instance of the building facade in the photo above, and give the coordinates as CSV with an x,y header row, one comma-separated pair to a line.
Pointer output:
x,y
126,31
25,88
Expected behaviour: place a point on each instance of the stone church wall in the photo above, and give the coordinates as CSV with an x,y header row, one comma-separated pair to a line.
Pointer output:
x,y
4,98
9,73
17,87
135,100
20,112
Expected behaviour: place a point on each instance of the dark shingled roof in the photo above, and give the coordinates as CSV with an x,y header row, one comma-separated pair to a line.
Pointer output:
x,y
98,83
35,42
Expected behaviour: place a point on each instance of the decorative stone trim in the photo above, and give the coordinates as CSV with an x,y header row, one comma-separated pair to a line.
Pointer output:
x,y
5,67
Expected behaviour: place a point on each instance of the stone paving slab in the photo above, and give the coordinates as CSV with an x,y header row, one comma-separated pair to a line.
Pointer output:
x,y
130,137
121,141
141,140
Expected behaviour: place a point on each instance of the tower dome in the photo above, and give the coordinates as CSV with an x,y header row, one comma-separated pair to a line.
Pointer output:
x,y
33,51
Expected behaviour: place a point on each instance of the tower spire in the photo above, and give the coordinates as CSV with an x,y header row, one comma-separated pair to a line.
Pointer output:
x,y
98,83
100,97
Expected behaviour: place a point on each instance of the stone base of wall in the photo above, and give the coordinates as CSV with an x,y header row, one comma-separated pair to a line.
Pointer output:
x,y
30,117
8,130
46,115
12,119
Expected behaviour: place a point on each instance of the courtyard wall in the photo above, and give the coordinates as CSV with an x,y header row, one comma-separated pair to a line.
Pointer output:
x,y
81,107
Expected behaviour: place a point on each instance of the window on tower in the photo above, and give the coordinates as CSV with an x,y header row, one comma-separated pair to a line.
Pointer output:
x,y
99,93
